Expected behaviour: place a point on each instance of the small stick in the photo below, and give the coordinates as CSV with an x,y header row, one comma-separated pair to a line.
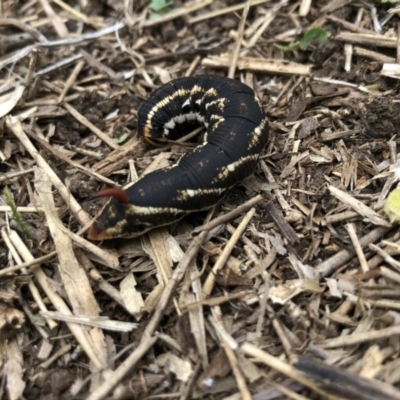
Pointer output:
x,y
57,22
389,274
373,55
228,216
71,80
79,16
85,37
84,121
229,345
100,67
217,13
330,265
209,283
16,23
27,264
236,51
148,340
398,45
10,175
10,238
304,8
347,25
367,39
284,227
281,366
67,160
193,66
358,206
357,246
363,337
260,64
385,256
22,209
180,13
14,124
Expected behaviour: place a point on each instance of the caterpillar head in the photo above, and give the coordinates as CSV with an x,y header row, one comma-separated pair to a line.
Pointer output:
x,y
116,219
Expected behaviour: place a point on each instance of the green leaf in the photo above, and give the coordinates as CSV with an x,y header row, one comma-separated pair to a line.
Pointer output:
x,y
155,15
318,35
158,5
159,8
290,47
392,206
373,88
121,138
17,215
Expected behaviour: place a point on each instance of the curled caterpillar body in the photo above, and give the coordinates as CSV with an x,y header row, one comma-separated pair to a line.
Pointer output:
x,y
237,131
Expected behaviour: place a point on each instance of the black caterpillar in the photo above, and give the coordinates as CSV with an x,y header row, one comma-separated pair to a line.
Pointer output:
x,y
237,131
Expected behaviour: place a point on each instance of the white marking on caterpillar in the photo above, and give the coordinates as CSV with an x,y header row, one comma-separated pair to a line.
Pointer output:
x,y
258,132
220,103
170,124
191,116
180,119
186,194
137,210
228,169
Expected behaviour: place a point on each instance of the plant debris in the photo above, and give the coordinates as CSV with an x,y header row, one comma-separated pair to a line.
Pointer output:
x,y
287,289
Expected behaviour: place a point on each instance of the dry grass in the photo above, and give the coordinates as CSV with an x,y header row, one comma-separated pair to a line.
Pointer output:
x,y
286,290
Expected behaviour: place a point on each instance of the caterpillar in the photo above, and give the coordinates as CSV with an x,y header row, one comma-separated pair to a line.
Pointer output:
x,y
236,132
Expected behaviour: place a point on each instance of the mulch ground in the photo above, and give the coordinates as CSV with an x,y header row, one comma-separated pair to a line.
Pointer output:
x,y
286,290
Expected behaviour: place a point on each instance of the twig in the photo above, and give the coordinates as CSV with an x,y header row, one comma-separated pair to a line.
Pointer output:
x,y
351,230
209,283
16,23
226,10
32,263
331,264
236,51
71,80
57,22
148,340
84,121
14,124
177,14
229,216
